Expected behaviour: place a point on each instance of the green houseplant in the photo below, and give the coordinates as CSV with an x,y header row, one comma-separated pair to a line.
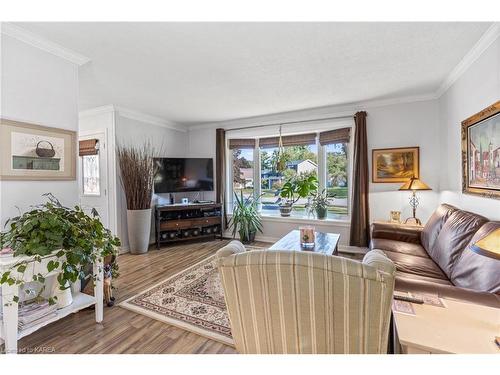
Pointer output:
x,y
295,188
69,236
320,202
246,220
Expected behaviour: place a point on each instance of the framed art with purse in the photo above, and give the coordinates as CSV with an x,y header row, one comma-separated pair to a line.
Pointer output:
x,y
395,164
481,153
35,152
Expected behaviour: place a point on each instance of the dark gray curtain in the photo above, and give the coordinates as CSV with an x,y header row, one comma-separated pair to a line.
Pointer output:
x,y
220,170
360,213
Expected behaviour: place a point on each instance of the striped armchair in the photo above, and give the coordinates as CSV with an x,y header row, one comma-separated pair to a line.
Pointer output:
x,y
304,302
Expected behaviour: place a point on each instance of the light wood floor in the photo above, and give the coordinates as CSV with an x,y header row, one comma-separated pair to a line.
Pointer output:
x,y
123,331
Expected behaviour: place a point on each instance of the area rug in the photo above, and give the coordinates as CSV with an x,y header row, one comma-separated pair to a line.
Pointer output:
x,y
193,300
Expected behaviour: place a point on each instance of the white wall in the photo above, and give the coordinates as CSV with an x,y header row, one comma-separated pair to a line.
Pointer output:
x,y
398,125
40,88
405,125
475,90
167,143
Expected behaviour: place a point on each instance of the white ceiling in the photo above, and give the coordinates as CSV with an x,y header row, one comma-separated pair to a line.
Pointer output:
x,y
203,72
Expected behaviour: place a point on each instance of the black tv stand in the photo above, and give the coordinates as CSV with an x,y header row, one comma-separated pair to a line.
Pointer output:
x,y
184,222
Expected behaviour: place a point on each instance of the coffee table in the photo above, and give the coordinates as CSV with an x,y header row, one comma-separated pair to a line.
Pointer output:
x,y
326,243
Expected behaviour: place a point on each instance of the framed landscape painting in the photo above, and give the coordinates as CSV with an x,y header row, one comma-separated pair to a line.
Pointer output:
x,y
34,152
395,164
481,153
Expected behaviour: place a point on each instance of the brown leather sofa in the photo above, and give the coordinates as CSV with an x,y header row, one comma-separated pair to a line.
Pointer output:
x,y
437,259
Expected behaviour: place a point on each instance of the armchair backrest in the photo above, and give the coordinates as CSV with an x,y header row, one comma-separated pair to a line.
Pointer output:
x,y
305,302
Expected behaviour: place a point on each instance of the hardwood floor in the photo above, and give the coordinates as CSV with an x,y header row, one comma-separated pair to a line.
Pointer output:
x,y
123,331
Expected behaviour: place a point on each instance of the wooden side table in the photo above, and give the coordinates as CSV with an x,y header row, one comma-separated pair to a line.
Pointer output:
x,y
460,327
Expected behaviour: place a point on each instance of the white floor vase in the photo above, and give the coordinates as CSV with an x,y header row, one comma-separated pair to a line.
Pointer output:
x,y
139,229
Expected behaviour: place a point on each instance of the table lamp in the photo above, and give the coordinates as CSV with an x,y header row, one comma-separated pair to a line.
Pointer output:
x,y
414,184
489,246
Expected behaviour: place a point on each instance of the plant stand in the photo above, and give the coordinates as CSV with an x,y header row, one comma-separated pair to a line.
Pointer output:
x,y
9,333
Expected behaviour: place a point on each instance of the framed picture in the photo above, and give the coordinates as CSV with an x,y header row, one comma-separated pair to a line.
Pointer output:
x,y
481,153
34,152
395,164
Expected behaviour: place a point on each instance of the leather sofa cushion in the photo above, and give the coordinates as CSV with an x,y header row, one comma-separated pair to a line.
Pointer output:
x,y
414,277
398,247
434,225
416,265
475,271
455,235
447,291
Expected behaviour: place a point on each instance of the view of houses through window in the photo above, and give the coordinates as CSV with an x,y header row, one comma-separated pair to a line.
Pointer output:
x,y
301,161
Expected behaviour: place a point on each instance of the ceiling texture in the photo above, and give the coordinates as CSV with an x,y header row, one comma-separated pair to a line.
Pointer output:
x,y
193,73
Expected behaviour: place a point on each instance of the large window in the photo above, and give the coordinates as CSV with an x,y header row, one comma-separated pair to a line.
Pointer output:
x,y
254,171
300,161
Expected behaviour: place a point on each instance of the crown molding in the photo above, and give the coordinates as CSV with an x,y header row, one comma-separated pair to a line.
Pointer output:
x,y
43,44
133,115
149,119
96,111
476,51
312,113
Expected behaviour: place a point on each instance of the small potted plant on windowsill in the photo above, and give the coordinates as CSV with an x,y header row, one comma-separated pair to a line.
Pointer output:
x,y
320,203
246,219
294,189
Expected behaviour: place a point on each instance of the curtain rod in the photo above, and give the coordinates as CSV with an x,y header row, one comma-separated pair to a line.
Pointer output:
x,y
291,122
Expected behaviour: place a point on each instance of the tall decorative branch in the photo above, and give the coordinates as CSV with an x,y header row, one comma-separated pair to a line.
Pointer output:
x,y
137,171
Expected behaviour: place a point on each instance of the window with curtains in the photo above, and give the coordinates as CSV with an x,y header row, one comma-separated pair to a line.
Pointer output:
x,y
323,154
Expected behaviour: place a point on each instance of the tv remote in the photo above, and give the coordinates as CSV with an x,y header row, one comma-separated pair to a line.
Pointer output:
x,y
409,299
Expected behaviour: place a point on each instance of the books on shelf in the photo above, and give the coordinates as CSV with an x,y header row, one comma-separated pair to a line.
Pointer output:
x,y
32,313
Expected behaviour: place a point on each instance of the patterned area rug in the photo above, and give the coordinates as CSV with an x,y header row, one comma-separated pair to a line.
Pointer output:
x,y
193,300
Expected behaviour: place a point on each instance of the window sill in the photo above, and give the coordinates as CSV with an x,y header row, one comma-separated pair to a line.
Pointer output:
x,y
305,220
302,220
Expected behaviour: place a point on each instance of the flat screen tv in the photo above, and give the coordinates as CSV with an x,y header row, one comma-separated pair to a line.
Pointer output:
x,y
183,175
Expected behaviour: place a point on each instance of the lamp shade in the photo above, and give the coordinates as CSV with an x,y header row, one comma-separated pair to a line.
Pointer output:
x,y
489,245
414,184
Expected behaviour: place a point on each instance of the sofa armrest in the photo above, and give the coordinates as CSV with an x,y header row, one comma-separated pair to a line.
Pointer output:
x,y
396,232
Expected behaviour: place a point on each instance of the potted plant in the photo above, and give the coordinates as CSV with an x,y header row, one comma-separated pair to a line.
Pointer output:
x,y
294,189
246,220
319,203
137,174
57,237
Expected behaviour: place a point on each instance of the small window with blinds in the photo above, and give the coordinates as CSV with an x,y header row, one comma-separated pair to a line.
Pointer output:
x,y
89,152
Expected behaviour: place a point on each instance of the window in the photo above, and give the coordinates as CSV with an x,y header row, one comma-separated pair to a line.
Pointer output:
x,y
337,178
242,171
90,172
299,161
324,154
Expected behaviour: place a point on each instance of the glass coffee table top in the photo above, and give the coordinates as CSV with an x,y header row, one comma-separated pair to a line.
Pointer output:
x,y
325,243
